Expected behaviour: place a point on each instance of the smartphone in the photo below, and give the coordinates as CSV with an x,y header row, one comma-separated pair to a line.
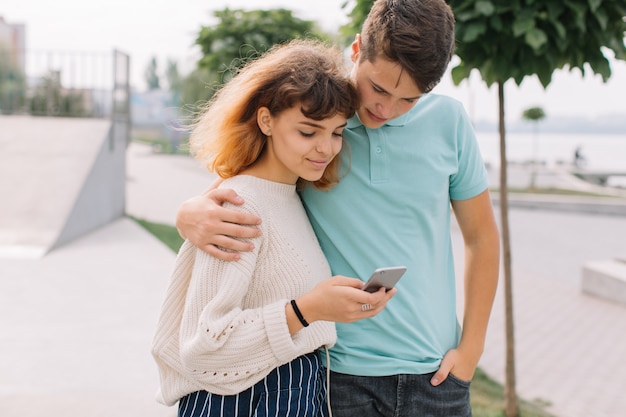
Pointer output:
x,y
384,277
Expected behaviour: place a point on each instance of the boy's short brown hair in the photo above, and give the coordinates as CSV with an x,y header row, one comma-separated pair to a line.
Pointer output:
x,y
418,34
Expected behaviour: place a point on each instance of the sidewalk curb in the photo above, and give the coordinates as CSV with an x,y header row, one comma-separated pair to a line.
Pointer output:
x,y
611,206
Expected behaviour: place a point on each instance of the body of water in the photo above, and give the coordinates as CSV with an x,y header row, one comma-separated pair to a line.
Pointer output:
x,y
602,152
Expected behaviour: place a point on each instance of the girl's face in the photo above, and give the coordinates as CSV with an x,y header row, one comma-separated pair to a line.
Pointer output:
x,y
297,146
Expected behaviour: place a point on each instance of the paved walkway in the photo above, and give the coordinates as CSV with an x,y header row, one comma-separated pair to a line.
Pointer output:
x,y
570,347
77,324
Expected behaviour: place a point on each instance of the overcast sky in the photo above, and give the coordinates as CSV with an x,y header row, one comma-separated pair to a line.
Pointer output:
x,y
167,30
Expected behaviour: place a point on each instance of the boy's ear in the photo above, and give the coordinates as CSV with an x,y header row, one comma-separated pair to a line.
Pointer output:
x,y
264,119
355,48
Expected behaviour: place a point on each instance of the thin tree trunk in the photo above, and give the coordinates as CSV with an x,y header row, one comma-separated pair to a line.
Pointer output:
x,y
511,408
533,174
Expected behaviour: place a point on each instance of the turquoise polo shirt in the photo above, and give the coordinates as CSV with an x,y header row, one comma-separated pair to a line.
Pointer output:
x,y
392,207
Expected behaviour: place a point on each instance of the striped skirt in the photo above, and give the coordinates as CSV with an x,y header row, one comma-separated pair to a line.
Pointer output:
x,y
296,389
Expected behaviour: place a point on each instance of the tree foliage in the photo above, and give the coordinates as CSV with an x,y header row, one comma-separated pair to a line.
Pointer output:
x,y
174,80
534,114
240,35
12,83
151,75
197,88
51,99
172,75
510,39
357,16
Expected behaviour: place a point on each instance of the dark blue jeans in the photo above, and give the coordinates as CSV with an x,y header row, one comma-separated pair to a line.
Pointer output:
x,y
398,396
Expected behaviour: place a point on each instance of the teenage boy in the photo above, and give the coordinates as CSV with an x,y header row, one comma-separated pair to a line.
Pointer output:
x,y
411,158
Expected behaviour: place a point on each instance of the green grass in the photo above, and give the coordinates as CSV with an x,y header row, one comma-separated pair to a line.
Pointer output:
x,y
164,232
487,395
163,145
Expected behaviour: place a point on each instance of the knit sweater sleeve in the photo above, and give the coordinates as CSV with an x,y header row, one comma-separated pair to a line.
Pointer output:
x,y
226,348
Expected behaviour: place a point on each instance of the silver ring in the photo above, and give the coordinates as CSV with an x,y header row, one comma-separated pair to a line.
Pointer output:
x,y
366,307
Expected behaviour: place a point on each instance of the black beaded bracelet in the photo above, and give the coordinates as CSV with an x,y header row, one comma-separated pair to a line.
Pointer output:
x,y
298,313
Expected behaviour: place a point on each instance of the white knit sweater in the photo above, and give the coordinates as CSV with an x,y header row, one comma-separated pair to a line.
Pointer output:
x,y
223,326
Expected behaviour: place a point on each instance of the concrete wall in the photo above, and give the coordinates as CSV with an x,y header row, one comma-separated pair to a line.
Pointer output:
x,y
59,179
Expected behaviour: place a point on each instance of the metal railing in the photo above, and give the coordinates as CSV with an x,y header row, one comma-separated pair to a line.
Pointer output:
x,y
66,84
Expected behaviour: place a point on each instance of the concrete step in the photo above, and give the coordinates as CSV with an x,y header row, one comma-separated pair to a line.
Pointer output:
x,y
605,279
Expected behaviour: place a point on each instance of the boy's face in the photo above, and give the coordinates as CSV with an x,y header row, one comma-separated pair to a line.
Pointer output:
x,y
386,90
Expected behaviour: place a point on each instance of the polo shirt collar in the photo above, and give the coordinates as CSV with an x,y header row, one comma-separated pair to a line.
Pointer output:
x,y
400,121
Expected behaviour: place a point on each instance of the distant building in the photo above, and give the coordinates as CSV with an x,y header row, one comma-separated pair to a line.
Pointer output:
x,y
155,114
13,43
153,108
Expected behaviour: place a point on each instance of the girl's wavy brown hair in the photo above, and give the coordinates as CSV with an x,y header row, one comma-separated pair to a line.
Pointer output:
x,y
305,73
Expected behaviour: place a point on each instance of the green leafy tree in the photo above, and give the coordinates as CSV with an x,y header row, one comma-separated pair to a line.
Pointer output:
x,y
240,35
197,88
174,80
534,115
51,99
513,39
357,16
151,75
12,84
